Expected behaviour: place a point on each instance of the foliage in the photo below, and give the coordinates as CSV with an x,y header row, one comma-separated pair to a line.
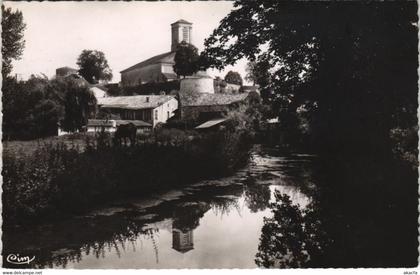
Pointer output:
x,y
247,117
291,238
354,77
79,102
186,59
32,109
259,74
93,66
62,180
233,78
12,42
152,88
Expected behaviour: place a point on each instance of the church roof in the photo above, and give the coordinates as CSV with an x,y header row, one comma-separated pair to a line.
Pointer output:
x,y
182,21
161,58
136,102
189,99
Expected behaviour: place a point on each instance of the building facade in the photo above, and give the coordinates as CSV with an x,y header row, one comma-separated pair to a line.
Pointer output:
x,y
158,68
151,109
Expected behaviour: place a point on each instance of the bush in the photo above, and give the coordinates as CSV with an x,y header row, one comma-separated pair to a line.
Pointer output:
x,y
60,180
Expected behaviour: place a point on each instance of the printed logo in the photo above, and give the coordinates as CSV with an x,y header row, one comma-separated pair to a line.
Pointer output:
x,y
16,259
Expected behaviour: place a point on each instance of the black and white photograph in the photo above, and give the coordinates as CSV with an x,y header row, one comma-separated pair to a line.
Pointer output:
x,y
209,135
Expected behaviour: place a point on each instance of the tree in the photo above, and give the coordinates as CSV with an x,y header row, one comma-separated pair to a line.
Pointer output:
x,y
186,59
258,73
93,66
13,43
233,78
79,103
32,108
357,79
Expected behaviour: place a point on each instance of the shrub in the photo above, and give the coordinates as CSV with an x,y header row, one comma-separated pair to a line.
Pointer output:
x,y
60,180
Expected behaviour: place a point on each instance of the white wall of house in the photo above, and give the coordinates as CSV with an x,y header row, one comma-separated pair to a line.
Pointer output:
x,y
168,68
232,88
98,129
165,111
98,93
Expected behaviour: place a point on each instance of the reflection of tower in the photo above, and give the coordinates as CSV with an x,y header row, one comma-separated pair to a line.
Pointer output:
x,y
182,241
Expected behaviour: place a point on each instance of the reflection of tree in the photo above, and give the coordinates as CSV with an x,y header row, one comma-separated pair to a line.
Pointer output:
x,y
257,197
291,238
187,217
223,206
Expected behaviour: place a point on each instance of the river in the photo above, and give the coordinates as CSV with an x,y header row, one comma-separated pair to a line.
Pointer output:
x,y
210,224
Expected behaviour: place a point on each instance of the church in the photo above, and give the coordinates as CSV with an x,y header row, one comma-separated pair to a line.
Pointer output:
x,y
158,68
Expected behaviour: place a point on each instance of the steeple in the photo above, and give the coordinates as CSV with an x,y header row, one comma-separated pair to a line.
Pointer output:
x,y
181,31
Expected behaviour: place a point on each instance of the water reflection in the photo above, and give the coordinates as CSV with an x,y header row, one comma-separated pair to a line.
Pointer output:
x,y
211,224
291,237
186,218
257,196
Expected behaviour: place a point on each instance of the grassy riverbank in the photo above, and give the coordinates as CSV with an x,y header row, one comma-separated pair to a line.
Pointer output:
x,y
59,179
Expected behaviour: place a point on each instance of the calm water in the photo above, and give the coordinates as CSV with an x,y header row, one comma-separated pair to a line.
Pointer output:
x,y
211,224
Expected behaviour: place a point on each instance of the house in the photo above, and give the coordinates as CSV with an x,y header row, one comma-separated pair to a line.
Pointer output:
x,y
98,91
201,107
158,68
111,125
152,109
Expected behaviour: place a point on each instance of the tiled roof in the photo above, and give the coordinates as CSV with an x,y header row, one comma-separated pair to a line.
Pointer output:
x,y
161,58
133,102
205,99
182,21
210,123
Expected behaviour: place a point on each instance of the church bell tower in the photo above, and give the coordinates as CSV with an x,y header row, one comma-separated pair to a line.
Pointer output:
x,y
181,31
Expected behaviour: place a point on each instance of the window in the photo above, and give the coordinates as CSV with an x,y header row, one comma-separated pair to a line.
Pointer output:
x,y
156,114
185,34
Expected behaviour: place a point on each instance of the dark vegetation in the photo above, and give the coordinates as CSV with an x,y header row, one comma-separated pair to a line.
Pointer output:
x,y
341,77
33,108
151,88
233,78
363,213
93,66
186,59
60,180
12,40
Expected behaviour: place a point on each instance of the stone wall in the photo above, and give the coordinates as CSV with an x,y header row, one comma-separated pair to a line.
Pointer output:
x,y
197,85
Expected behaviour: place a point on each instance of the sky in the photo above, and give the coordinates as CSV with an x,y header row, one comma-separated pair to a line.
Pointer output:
x,y
127,32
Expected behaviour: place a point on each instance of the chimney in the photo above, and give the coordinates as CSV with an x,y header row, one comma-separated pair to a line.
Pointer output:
x,y
147,99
